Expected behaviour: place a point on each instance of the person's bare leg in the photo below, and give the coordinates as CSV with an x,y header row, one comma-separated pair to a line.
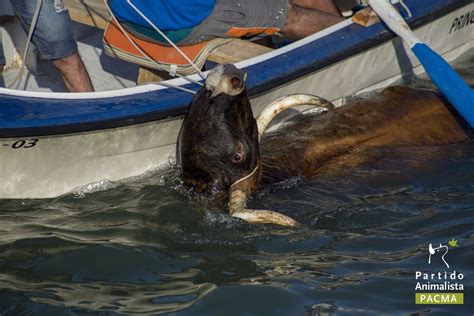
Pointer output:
x,y
320,5
302,22
74,73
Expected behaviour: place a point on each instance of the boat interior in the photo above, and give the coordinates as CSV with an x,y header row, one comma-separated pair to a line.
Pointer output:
x,y
111,71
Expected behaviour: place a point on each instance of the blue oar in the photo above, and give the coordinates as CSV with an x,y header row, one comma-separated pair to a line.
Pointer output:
x,y
448,81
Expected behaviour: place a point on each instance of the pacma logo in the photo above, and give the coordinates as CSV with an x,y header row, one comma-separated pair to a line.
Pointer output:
x,y
443,249
441,287
462,21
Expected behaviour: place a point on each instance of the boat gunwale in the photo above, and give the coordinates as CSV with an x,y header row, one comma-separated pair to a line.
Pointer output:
x,y
130,109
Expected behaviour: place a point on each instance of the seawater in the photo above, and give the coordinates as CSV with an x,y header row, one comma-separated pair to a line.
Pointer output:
x,y
143,246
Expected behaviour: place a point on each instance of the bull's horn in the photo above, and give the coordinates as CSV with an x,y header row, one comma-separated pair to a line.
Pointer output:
x,y
285,103
238,208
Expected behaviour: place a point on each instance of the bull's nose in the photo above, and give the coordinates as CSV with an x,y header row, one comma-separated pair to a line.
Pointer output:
x,y
226,79
217,70
233,72
214,77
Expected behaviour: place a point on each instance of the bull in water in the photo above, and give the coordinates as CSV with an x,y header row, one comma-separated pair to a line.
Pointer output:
x,y
222,152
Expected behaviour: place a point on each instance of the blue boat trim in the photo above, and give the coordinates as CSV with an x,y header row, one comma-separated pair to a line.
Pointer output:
x,y
25,117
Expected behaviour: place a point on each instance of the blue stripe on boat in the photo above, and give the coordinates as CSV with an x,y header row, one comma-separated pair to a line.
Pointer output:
x,y
23,116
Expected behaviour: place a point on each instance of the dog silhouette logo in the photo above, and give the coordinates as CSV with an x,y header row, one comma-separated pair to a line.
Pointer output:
x,y
433,251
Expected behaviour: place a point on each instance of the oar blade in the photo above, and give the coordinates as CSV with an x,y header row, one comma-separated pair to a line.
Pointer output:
x,y
456,90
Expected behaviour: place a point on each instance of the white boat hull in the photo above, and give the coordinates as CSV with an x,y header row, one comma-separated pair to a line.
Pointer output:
x,y
49,166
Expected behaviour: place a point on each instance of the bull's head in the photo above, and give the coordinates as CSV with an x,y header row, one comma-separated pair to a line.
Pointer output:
x,y
219,144
219,137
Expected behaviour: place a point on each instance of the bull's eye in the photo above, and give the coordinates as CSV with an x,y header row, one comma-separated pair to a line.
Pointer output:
x,y
238,156
235,82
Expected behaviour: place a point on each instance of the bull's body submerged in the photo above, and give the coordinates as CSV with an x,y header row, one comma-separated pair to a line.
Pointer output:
x,y
399,116
220,144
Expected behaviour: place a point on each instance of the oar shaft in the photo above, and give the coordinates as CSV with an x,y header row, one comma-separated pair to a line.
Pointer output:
x,y
387,12
459,94
448,81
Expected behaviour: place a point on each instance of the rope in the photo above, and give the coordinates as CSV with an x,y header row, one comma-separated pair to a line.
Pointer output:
x,y
167,39
34,20
124,32
245,178
402,3
30,35
169,85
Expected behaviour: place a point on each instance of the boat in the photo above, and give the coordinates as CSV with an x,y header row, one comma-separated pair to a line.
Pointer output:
x,y
55,143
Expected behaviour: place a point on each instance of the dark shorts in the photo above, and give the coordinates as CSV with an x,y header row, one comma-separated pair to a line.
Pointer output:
x,y
240,18
53,35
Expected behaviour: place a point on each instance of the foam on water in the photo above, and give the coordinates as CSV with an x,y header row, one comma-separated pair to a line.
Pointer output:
x,y
92,188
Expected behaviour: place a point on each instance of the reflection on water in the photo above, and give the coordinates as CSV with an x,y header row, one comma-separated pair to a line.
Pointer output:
x,y
145,247
167,296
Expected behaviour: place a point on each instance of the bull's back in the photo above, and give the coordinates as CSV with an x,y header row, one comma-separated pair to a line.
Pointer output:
x,y
400,116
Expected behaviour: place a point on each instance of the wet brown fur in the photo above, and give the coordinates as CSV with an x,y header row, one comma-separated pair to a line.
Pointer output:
x,y
400,116
220,127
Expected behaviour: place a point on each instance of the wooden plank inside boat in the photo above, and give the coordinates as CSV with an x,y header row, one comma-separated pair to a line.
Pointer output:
x,y
232,52
365,17
146,75
90,12
237,50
